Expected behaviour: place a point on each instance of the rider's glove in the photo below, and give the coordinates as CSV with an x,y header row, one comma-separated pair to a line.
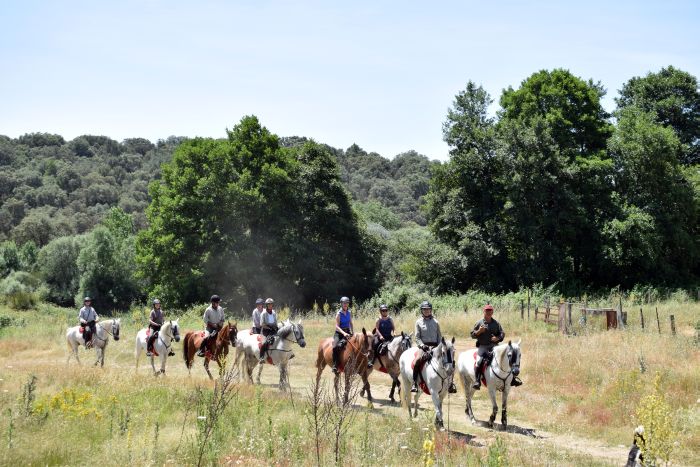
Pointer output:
x,y
425,348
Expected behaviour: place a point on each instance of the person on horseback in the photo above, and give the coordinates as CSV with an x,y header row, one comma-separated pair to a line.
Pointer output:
x,y
214,321
269,328
428,337
343,331
155,322
488,333
88,319
257,312
383,331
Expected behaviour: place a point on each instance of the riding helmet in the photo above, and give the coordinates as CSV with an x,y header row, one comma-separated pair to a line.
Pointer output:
x,y
259,301
215,298
344,300
383,307
87,299
269,301
156,302
426,304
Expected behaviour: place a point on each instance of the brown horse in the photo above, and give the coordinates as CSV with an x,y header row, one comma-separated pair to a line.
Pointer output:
x,y
217,349
353,360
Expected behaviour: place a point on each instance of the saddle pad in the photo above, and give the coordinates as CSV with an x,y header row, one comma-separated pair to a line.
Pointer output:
x,y
421,383
483,367
82,330
148,332
383,370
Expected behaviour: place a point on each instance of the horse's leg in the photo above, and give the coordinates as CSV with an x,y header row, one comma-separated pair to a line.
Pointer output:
x,y
468,394
283,374
137,353
260,367
336,384
494,405
437,402
97,352
206,367
365,380
415,403
102,356
163,359
504,408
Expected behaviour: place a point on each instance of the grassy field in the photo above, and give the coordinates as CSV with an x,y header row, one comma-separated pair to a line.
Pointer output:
x,y
577,406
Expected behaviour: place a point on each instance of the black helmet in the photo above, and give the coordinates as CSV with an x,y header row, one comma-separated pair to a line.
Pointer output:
x,y
269,301
215,298
87,299
426,304
156,302
383,307
259,301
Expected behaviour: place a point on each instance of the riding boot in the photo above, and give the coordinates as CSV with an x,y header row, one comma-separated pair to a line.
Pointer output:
x,y
452,389
263,352
202,347
149,346
478,374
516,381
336,357
416,375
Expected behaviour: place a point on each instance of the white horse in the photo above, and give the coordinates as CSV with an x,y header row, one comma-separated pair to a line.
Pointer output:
x,y
169,332
74,339
279,352
436,375
389,363
498,376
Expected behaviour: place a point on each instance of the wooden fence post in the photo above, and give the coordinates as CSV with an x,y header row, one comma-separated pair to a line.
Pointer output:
x,y
522,309
620,320
641,315
673,325
568,313
528,304
658,323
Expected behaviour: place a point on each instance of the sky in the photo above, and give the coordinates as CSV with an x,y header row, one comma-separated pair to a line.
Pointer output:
x,y
376,73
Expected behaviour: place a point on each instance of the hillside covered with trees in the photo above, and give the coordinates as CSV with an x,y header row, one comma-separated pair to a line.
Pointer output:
x,y
551,190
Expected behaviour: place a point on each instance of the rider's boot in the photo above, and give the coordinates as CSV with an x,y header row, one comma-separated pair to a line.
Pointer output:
x,y
202,348
416,375
478,373
263,352
336,357
516,381
149,347
452,389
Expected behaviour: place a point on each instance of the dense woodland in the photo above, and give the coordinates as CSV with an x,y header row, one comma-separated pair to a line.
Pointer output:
x,y
551,190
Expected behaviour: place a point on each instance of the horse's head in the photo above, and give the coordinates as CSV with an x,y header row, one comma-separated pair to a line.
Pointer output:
x,y
405,342
513,354
446,351
366,345
230,336
175,330
116,324
298,329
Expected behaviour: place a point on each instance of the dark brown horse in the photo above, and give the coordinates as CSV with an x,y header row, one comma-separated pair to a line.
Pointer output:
x,y
217,349
353,359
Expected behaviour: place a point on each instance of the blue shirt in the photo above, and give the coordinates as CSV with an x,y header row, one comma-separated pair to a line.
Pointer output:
x,y
345,319
385,327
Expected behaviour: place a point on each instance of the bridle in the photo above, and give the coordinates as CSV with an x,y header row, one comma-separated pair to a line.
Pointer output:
x,y
512,359
171,336
115,337
447,358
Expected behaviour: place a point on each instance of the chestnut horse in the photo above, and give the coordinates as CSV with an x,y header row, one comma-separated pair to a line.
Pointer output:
x,y
353,360
217,349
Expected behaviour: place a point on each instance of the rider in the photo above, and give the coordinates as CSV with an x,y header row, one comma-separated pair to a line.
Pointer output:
x,y
88,319
155,321
268,320
214,320
428,336
343,330
488,333
384,331
257,311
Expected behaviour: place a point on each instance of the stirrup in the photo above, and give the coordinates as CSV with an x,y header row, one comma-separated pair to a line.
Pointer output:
x,y
452,389
516,381
200,353
414,388
335,370
149,353
477,384
171,354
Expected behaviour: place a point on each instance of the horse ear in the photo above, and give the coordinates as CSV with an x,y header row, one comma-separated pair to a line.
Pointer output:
x,y
510,343
453,339
442,340
402,334
364,331
519,341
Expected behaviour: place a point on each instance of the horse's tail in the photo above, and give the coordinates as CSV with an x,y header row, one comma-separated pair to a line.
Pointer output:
x,y
186,350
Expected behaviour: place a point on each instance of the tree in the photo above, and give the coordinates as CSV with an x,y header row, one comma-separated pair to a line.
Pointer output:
x,y
248,216
58,268
672,96
649,179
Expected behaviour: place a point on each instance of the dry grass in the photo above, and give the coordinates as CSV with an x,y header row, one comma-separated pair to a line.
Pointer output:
x,y
585,386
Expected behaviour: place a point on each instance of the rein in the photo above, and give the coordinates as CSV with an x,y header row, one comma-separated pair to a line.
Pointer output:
x,y
495,367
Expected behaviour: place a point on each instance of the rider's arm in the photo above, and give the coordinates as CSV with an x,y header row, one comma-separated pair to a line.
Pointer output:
x,y
475,330
376,329
337,323
419,341
392,326
439,334
501,335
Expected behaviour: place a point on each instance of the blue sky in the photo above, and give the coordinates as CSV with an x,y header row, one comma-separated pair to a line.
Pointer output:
x,y
377,73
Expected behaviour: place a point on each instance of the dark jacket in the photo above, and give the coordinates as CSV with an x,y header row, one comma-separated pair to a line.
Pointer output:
x,y
493,329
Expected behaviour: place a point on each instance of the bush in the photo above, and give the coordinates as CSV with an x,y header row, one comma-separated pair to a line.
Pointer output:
x,y
20,290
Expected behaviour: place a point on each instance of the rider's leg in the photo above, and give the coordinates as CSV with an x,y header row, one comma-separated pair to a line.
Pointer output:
x,y
203,345
263,348
478,373
336,351
416,372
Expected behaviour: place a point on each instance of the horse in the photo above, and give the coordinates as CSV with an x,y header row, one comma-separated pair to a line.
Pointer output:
x,y
354,358
436,376
389,363
279,353
504,366
168,333
217,348
74,339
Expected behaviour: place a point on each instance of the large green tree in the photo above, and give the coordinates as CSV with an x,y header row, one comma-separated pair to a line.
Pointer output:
x,y
672,96
245,217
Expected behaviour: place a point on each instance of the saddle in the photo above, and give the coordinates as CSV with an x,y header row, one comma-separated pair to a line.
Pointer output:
x,y
484,365
421,383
